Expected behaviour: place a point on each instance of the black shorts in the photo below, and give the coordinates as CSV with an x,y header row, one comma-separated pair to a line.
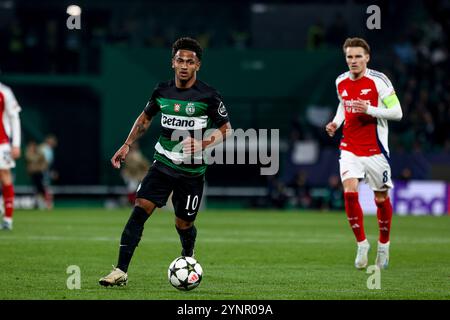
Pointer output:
x,y
161,180
38,181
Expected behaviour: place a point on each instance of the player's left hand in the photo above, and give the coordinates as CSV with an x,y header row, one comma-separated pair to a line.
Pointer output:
x,y
360,106
15,152
191,146
120,156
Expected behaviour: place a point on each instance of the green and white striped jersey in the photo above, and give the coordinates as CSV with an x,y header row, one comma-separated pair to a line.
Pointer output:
x,y
193,110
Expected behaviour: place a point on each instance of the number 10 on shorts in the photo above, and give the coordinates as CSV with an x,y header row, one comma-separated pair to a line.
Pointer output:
x,y
194,203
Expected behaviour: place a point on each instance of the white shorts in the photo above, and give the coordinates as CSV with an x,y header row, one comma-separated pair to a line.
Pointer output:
x,y
6,160
374,170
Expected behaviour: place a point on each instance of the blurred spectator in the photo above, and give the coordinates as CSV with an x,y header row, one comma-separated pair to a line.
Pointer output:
x,y
302,191
335,193
240,39
134,170
278,195
36,167
405,174
15,47
53,58
423,88
32,52
316,36
70,59
48,149
405,51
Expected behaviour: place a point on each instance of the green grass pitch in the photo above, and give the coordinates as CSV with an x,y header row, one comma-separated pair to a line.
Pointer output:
x,y
289,255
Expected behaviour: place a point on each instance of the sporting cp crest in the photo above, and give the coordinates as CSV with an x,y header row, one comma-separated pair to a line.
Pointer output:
x,y
190,109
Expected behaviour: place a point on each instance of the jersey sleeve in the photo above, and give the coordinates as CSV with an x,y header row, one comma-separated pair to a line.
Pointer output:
x,y
384,86
217,111
340,115
12,107
338,95
338,80
152,107
12,110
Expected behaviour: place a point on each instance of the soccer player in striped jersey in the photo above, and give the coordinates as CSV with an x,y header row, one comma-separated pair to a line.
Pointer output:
x,y
10,137
367,100
186,105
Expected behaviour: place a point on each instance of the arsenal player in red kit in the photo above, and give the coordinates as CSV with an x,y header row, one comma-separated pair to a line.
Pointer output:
x,y
367,100
9,149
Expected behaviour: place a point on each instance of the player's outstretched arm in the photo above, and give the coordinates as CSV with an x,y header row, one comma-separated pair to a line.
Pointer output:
x,y
217,136
190,145
332,126
393,110
140,126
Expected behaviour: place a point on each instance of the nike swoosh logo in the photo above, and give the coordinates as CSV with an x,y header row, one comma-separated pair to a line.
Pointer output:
x,y
163,106
190,214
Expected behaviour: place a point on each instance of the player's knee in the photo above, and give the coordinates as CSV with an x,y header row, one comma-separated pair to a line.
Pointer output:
x,y
147,205
5,177
183,224
380,197
350,185
350,188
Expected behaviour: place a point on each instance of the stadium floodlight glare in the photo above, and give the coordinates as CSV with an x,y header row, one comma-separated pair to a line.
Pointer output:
x,y
73,10
259,8
6,5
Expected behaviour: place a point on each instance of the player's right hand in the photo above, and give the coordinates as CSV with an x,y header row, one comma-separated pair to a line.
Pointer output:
x,y
331,128
15,153
120,156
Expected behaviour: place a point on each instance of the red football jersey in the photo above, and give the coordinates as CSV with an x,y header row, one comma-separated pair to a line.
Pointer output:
x,y
8,107
363,134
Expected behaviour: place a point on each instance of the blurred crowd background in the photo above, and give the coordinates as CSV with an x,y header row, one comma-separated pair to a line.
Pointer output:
x,y
274,62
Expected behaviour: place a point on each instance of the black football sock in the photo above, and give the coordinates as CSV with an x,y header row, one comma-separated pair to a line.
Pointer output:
x,y
187,237
131,236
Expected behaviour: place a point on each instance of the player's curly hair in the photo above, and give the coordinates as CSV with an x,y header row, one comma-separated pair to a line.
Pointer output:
x,y
356,42
187,43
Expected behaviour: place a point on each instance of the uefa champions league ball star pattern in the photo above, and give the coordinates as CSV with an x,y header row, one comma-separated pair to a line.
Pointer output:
x,y
185,273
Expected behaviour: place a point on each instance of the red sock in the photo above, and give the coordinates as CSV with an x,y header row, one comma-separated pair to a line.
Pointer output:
x,y
132,198
48,197
354,215
384,214
8,199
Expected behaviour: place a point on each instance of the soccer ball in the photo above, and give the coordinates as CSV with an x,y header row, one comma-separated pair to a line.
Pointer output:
x,y
185,273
